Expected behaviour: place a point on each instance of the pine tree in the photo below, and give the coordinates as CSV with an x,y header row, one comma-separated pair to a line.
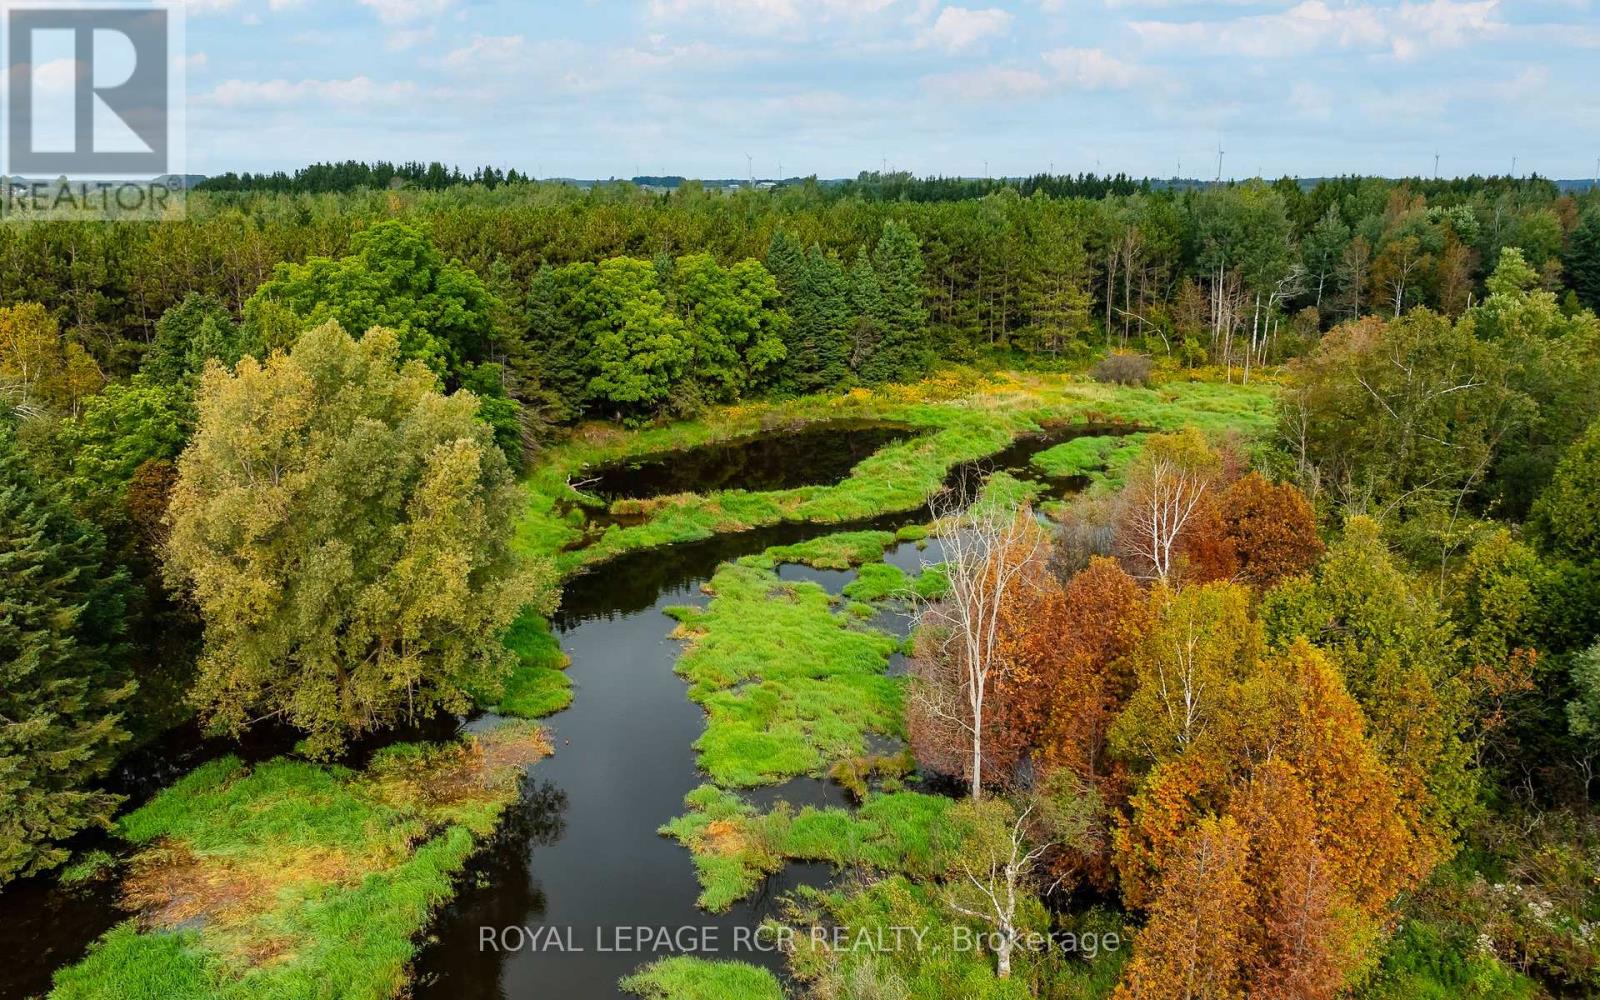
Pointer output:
x,y
554,353
1582,261
866,329
816,296
900,315
60,623
827,339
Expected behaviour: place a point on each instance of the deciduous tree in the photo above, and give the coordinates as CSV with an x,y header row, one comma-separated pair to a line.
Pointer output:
x,y
346,532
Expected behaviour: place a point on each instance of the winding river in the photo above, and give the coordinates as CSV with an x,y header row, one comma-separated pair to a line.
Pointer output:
x,y
580,857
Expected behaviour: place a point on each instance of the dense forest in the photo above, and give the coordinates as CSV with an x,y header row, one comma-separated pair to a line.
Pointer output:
x,y
1310,707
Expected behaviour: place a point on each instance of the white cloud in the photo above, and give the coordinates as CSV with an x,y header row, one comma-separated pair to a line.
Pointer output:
x,y
487,50
203,7
989,84
406,39
1313,25
405,11
358,90
959,28
768,16
1092,69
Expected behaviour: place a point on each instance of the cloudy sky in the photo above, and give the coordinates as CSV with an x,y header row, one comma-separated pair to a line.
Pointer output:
x,y
619,87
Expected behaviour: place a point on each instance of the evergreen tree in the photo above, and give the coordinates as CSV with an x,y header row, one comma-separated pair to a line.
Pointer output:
x,y
60,685
816,296
867,308
1582,261
554,351
901,317
827,338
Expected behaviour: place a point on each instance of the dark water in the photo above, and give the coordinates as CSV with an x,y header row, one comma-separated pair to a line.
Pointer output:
x,y
579,855
624,761
814,455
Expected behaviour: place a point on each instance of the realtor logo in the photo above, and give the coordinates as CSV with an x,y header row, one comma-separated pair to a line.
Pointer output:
x,y
92,91
88,91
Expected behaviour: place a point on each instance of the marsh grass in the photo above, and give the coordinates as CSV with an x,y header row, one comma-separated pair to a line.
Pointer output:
x,y
839,551
689,978
294,880
735,847
789,683
1095,457
963,421
539,684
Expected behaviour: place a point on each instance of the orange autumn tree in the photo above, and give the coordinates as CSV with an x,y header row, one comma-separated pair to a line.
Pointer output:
x,y
1304,941
1196,944
1396,652
1328,848
1252,531
1271,529
1104,615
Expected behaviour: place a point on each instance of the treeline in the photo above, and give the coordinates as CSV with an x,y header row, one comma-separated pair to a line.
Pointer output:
x,y
353,175
1231,275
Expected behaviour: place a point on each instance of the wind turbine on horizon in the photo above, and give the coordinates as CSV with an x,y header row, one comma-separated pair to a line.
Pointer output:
x,y
1219,161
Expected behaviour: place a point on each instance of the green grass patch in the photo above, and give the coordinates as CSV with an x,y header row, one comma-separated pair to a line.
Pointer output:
x,y
1096,457
789,684
539,684
878,582
735,847
688,978
292,880
977,422
840,551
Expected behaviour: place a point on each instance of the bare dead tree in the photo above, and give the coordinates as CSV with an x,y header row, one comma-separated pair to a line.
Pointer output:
x,y
1160,500
988,553
996,868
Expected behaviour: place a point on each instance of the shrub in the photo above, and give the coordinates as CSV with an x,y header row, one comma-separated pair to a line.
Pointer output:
x,y
1123,369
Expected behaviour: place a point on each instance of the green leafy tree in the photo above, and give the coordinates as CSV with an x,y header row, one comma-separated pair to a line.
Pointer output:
x,y
188,335
640,348
61,675
1552,365
396,278
345,530
1406,414
732,326
121,428
1567,515
1583,711
440,311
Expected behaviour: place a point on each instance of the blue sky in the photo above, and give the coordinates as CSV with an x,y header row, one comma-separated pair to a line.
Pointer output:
x,y
617,87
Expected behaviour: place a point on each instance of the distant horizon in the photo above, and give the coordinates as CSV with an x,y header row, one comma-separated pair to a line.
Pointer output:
x,y
759,178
